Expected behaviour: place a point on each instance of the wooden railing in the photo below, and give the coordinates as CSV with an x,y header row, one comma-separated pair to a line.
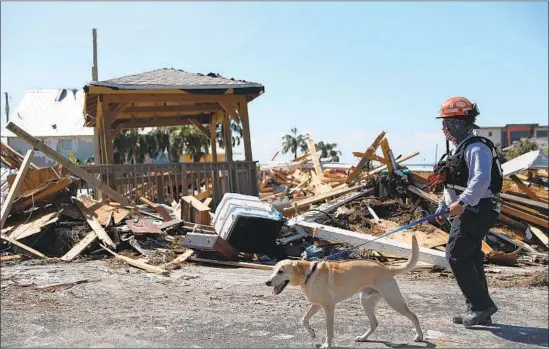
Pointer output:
x,y
164,182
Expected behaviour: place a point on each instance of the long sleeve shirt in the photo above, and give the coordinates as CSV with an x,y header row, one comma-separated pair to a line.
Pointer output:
x,y
478,158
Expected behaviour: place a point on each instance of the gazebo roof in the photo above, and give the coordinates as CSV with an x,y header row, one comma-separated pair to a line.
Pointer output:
x,y
168,78
173,86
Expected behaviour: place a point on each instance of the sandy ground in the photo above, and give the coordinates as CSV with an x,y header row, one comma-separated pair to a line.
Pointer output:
x,y
205,306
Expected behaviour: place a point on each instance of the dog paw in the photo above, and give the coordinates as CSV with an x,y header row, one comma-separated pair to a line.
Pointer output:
x,y
311,333
326,345
418,338
361,338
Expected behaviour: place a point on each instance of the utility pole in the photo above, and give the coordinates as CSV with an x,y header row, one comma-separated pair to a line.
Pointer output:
x,y
96,142
95,77
7,108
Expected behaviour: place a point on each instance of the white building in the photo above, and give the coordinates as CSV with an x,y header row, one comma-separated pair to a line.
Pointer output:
x,y
55,117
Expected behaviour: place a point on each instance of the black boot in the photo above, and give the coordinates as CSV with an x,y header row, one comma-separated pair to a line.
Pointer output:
x,y
479,317
458,319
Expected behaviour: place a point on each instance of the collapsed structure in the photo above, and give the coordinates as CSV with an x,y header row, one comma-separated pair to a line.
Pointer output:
x,y
305,209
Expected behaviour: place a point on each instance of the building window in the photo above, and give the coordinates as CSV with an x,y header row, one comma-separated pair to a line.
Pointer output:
x,y
541,133
66,144
489,133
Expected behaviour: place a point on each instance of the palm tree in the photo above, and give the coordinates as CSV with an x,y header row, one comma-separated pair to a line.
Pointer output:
x,y
236,132
130,145
522,147
293,142
329,150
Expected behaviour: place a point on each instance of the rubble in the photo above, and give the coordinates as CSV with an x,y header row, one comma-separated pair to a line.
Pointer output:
x,y
305,209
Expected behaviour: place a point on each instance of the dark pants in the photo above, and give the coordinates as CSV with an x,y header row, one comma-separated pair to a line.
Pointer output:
x,y
465,256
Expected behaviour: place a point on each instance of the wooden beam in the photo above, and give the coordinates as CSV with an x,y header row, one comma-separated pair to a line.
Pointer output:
x,y
15,187
525,216
179,259
526,189
314,157
69,166
301,204
371,150
233,264
245,120
22,246
228,138
230,109
395,248
79,247
123,124
200,127
7,149
159,110
94,224
106,121
524,201
133,96
384,167
387,154
138,264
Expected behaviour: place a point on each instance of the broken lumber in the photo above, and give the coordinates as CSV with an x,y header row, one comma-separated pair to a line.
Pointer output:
x,y
384,167
193,210
371,150
179,259
526,189
159,209
233,264
74,169
296,206
94,223
23,246
525,216
79,247
395,248
524,201
43,193
15,187
15,154
136,263
12,257
540,235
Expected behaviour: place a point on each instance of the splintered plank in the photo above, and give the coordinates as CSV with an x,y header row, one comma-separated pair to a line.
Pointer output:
x,y
44,193
22,246
137,263
526,189
94,224
103,211
371,150
179,259
80,246
34,225
15,187
233,264
12,257
69,166
540,235
543,222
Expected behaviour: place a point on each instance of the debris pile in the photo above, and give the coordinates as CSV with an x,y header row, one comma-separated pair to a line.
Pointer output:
x,y
305,209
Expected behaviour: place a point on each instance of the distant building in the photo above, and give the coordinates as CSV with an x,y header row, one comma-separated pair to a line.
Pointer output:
x,y
55,117
504,136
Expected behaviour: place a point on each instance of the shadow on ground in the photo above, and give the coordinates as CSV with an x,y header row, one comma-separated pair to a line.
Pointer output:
x,y
519,334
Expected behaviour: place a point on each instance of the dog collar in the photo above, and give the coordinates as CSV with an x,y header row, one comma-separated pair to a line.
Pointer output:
x,y
311,272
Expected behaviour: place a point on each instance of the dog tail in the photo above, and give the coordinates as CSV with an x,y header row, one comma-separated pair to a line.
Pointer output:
x,y
412,261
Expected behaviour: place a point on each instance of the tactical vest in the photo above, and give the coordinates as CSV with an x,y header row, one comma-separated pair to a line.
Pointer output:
x,y
458,174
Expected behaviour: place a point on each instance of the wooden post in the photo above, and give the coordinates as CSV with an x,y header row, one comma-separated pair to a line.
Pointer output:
x,y
15,187
244,118
213,144
228,137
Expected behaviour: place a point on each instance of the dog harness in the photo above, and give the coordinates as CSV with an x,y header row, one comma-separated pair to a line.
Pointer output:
x,y
311,272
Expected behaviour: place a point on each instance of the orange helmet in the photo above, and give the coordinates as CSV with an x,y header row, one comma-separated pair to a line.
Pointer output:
x,y
457,107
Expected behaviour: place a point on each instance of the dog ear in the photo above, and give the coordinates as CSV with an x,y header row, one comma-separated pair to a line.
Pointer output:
x,y
298,273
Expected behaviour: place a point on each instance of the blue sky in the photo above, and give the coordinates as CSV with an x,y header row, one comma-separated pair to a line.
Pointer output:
x,y
340,71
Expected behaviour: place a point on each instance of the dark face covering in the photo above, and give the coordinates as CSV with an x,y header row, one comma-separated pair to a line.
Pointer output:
x,y
456,130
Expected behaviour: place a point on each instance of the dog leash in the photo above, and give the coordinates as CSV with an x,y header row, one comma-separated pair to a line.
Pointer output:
x,y
404,227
